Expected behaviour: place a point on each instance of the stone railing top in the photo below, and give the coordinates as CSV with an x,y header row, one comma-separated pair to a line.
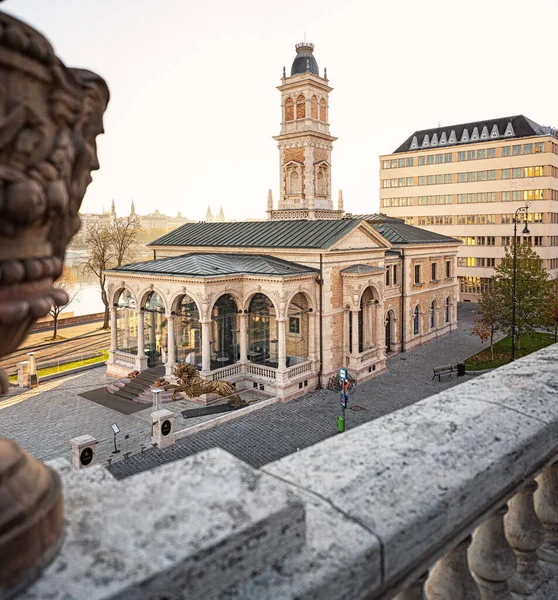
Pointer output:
x,y
375,507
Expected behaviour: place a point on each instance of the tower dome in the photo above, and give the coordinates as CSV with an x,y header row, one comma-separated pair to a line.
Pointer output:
x,y
304,60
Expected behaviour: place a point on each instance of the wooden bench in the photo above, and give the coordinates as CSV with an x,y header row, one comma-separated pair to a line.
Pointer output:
x,y
445,370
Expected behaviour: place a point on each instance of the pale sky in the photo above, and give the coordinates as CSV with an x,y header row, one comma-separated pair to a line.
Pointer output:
x,y
193,99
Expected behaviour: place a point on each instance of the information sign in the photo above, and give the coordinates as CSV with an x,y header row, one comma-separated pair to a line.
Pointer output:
x,y
86,456
165,427
342,373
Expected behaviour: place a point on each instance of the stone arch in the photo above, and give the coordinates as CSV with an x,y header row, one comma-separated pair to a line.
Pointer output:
x,y
177,296
224,342
250,295
115,296
144,295
289,109
309,298
300,107
233,293
374,290
187,329
314,107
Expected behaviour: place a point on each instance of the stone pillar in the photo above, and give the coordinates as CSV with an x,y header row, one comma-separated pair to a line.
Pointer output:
x,y
33,375
415,591
354,337
206,346
546,507
282,350
243,338
313,350
450,577
171,351
491,559
525,534
380,327
141,359
83,451
23,373
162,428
113,329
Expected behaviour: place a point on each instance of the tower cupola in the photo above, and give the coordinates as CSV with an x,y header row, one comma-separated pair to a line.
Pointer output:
x,y
305,60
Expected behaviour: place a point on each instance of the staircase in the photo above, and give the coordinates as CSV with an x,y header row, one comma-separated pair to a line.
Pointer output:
x,y
133,388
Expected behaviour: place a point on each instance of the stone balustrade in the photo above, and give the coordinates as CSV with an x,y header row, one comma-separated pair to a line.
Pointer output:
x,y
454,497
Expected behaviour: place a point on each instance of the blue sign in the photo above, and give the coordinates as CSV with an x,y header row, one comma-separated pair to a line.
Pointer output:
x,y
344,398
342,373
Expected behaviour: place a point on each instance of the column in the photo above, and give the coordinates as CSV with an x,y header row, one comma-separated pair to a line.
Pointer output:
x,y
313,351
171,351
282,351
491,559
206,346
380,325
450,577
243,338
546,507
354,337
141,334
113,329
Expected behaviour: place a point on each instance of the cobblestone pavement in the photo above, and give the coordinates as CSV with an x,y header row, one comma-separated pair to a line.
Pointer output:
x,y
284,428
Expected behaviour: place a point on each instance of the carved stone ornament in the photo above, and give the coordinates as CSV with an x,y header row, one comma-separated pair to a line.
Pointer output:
x,y
49,118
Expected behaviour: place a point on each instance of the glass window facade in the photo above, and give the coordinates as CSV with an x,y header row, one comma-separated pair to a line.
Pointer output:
x,y
225,349
127,324
155,330
187,332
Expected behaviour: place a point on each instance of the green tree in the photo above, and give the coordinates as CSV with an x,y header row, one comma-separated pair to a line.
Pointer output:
x,y
487,317
533,291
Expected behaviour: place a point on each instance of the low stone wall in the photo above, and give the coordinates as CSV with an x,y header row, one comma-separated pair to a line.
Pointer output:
x,y
361,515
63,321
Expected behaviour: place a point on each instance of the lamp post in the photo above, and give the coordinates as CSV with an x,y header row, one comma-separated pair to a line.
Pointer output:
x,y
521,210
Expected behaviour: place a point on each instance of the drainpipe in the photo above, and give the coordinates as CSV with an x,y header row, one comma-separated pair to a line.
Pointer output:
x,y
403,277
321,284
154,254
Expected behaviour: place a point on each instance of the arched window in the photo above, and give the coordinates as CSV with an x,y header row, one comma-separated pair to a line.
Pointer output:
x,y
301,107
289,109
126,324
294,182
187,332
314,107
262,331
416,321
155,330
447,311
323,110
298,330
433,315
224,347
366,333
321,182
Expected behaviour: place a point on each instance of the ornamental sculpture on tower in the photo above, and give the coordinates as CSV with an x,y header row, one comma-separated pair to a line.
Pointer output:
x,y
50,116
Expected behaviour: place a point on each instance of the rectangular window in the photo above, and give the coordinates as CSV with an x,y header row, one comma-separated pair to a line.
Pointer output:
x,y
490,240
539,194
410,181
537,217
439,179
491,219
394,183
385,183
491,175
385,164
461,261
481,153
402,182
479,262
394,163
517,173
471,261
538,240
461,198
422,220
461,156
417,273
516,150
394,274
539,147
539,172
439,159
430,220
481,220
447,178
461,220
439,199
294,324
491,153
481,176
448,269
470,219
422,161
527,194
471,154
481,241
461,177
471,198
506,150
527,171
527,148
481,197
517,195
430,159
491,262
422,180
471,176
401,162
491,196
431,179
506,196
448,199
506,219
411,162
506,173
448,157
505,240
387,275
434,272
448,220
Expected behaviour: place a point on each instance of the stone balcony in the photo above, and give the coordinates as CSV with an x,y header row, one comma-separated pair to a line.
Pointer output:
x,y
439,498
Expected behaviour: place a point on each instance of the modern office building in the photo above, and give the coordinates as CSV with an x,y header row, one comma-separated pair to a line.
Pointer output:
x,y
467,181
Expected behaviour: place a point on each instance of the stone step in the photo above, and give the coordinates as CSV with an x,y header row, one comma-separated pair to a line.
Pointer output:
x,y
140,386
124,394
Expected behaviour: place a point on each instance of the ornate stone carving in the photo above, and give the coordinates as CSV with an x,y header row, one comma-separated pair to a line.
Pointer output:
x,y
49,118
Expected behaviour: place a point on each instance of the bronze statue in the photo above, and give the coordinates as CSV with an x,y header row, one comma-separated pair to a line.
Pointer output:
x,y
193,385
49,118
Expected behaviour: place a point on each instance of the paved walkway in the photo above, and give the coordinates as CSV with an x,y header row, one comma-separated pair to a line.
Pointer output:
x,y
281,429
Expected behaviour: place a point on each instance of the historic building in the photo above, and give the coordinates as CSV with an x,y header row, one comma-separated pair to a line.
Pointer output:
x,y
467,181
282,304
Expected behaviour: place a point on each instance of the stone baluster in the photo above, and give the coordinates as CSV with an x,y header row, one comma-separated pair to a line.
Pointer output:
x,y
450,578
415,591
206,345
491,559
243,338
546,507
113,329
354,336
525,534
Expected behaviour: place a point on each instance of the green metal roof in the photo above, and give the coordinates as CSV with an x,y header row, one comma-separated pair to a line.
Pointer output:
x,y
216,265
362,269
400,233
260,234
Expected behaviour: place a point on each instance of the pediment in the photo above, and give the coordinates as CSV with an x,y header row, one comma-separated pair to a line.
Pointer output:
x,y
298,163
363,236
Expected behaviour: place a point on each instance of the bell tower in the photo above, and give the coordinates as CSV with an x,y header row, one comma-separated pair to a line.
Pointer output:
x,y
304,143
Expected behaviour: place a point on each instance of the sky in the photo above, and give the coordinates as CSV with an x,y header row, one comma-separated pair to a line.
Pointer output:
x,y
194,103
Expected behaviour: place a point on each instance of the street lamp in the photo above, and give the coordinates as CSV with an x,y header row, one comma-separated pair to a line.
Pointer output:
x,y
524,210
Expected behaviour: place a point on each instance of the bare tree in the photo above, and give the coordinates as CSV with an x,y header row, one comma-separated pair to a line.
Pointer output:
x,y
123,236
69,283
101,258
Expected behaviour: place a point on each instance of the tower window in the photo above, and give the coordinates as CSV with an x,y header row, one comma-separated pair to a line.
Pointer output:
x,y
321,181
293,180
314,107
301,107
289,109
323,110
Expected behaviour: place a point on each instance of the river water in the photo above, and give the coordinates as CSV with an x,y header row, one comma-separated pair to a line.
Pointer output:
x,y
87,301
